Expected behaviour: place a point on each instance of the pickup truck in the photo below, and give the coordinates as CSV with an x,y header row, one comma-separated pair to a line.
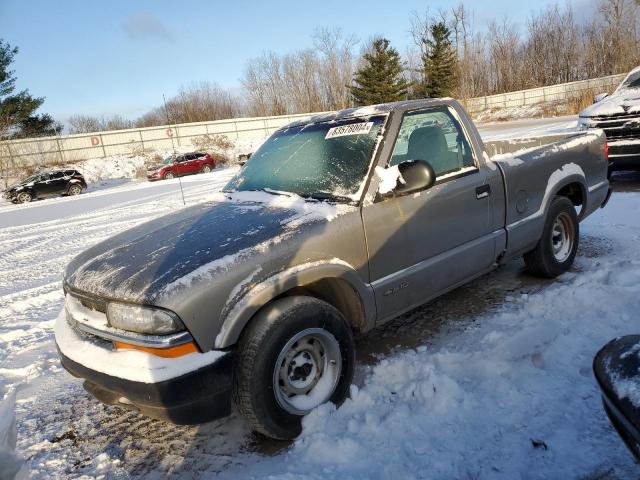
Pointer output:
x,y
618,115
335,225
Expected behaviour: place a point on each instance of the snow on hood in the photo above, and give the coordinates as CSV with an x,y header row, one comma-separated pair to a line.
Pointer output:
x,y
626,100
170,252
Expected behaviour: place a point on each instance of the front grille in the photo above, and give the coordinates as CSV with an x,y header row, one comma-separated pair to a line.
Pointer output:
x,y
618,127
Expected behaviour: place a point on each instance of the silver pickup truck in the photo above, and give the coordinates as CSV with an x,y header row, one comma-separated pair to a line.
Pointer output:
x,y
336,224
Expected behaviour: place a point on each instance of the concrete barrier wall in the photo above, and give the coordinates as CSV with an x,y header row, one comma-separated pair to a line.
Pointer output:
x,y
552,93
72,148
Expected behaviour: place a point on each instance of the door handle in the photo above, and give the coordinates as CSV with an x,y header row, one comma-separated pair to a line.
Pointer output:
x,y
483,191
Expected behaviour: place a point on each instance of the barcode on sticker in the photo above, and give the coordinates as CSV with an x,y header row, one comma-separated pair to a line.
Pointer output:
x,y
353,129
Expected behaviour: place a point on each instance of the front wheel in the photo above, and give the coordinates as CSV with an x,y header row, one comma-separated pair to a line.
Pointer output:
x,y
25,197
206,168
556,249
296,354
168,176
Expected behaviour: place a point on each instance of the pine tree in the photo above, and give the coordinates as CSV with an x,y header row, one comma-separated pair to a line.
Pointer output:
x,y
17,110
380,78
439,62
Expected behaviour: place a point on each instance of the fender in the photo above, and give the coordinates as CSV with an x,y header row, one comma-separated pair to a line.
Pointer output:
x,y
524,233
557,180
237,314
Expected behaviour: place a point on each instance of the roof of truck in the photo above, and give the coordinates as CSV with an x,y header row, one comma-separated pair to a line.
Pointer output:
x,y
368,111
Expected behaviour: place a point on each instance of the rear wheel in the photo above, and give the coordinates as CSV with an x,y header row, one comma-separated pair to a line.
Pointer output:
x,y
206,168
24,197
296,354
168,176
556,250
75,190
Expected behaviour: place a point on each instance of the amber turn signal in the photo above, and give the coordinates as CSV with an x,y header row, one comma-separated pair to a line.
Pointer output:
x,y
171,352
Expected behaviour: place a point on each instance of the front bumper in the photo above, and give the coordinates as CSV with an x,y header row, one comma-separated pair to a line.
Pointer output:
x,y
190,399
9,195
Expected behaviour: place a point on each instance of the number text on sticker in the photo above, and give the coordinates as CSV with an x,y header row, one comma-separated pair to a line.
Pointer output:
x,y
353,129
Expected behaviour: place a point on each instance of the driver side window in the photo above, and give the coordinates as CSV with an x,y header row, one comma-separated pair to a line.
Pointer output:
x,y
435,136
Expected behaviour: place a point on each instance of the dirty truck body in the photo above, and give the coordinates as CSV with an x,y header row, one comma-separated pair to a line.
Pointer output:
x,y
239,277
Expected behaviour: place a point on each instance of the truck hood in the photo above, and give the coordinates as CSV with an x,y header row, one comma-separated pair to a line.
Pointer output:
x,y
139,264
620,103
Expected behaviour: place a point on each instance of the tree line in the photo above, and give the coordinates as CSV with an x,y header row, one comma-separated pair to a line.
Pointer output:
x,y
449,55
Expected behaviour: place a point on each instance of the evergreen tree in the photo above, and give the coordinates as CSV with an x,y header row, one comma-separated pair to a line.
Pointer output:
x,y
439,61
17,110
380,78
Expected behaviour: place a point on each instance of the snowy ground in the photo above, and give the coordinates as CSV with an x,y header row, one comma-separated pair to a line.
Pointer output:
x,y
456,389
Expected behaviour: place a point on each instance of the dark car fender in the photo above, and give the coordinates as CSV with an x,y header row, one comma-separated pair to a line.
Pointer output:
x,y
240,309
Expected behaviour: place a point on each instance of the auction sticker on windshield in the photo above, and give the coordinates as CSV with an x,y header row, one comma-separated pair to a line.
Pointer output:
x,y
352,129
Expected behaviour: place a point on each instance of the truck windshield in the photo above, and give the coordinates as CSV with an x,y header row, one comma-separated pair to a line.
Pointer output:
x,y
632,81
327,160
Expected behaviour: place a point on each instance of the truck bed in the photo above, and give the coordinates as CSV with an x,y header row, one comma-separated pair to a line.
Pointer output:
x,y
535,169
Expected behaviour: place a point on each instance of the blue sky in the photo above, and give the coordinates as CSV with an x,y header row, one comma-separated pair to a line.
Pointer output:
x,y
119,57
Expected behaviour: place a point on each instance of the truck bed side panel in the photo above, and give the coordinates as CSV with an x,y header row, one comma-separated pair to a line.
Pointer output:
x,y
534,176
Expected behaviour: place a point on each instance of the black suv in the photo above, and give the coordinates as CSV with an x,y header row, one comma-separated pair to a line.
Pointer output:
x,y
47,184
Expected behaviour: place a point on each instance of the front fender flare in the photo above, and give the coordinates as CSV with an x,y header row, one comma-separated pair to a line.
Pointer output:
x,y
239,311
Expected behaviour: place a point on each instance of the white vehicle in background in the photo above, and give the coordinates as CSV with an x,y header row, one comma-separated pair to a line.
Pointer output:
x,y
618,115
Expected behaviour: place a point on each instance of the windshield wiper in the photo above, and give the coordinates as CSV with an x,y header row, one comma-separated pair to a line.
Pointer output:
x,y
328,196
265,190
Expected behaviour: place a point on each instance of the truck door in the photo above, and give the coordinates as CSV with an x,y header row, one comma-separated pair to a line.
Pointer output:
x,y
424,243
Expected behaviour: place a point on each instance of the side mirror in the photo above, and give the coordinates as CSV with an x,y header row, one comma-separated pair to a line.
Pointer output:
x,y
416,175
600,97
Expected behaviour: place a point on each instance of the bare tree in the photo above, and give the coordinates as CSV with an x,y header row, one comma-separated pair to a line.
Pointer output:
x,y
89,123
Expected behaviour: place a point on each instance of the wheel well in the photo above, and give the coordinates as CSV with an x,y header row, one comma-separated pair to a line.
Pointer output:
x,y
574,192
338,293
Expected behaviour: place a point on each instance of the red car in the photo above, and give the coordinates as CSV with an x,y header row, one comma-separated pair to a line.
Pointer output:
x,y
179,165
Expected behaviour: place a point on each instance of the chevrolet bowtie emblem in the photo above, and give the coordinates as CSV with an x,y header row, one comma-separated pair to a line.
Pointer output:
x,y
626,108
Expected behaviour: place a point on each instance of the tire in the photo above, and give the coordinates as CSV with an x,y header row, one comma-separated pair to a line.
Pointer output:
x,y
74,190
269,360
206,168
24,197
168,176
556,249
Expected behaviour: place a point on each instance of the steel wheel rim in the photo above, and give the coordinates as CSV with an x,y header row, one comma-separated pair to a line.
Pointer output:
x,y
562,237
307,371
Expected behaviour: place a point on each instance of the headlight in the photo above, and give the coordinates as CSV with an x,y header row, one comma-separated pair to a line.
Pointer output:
x,y
134,318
